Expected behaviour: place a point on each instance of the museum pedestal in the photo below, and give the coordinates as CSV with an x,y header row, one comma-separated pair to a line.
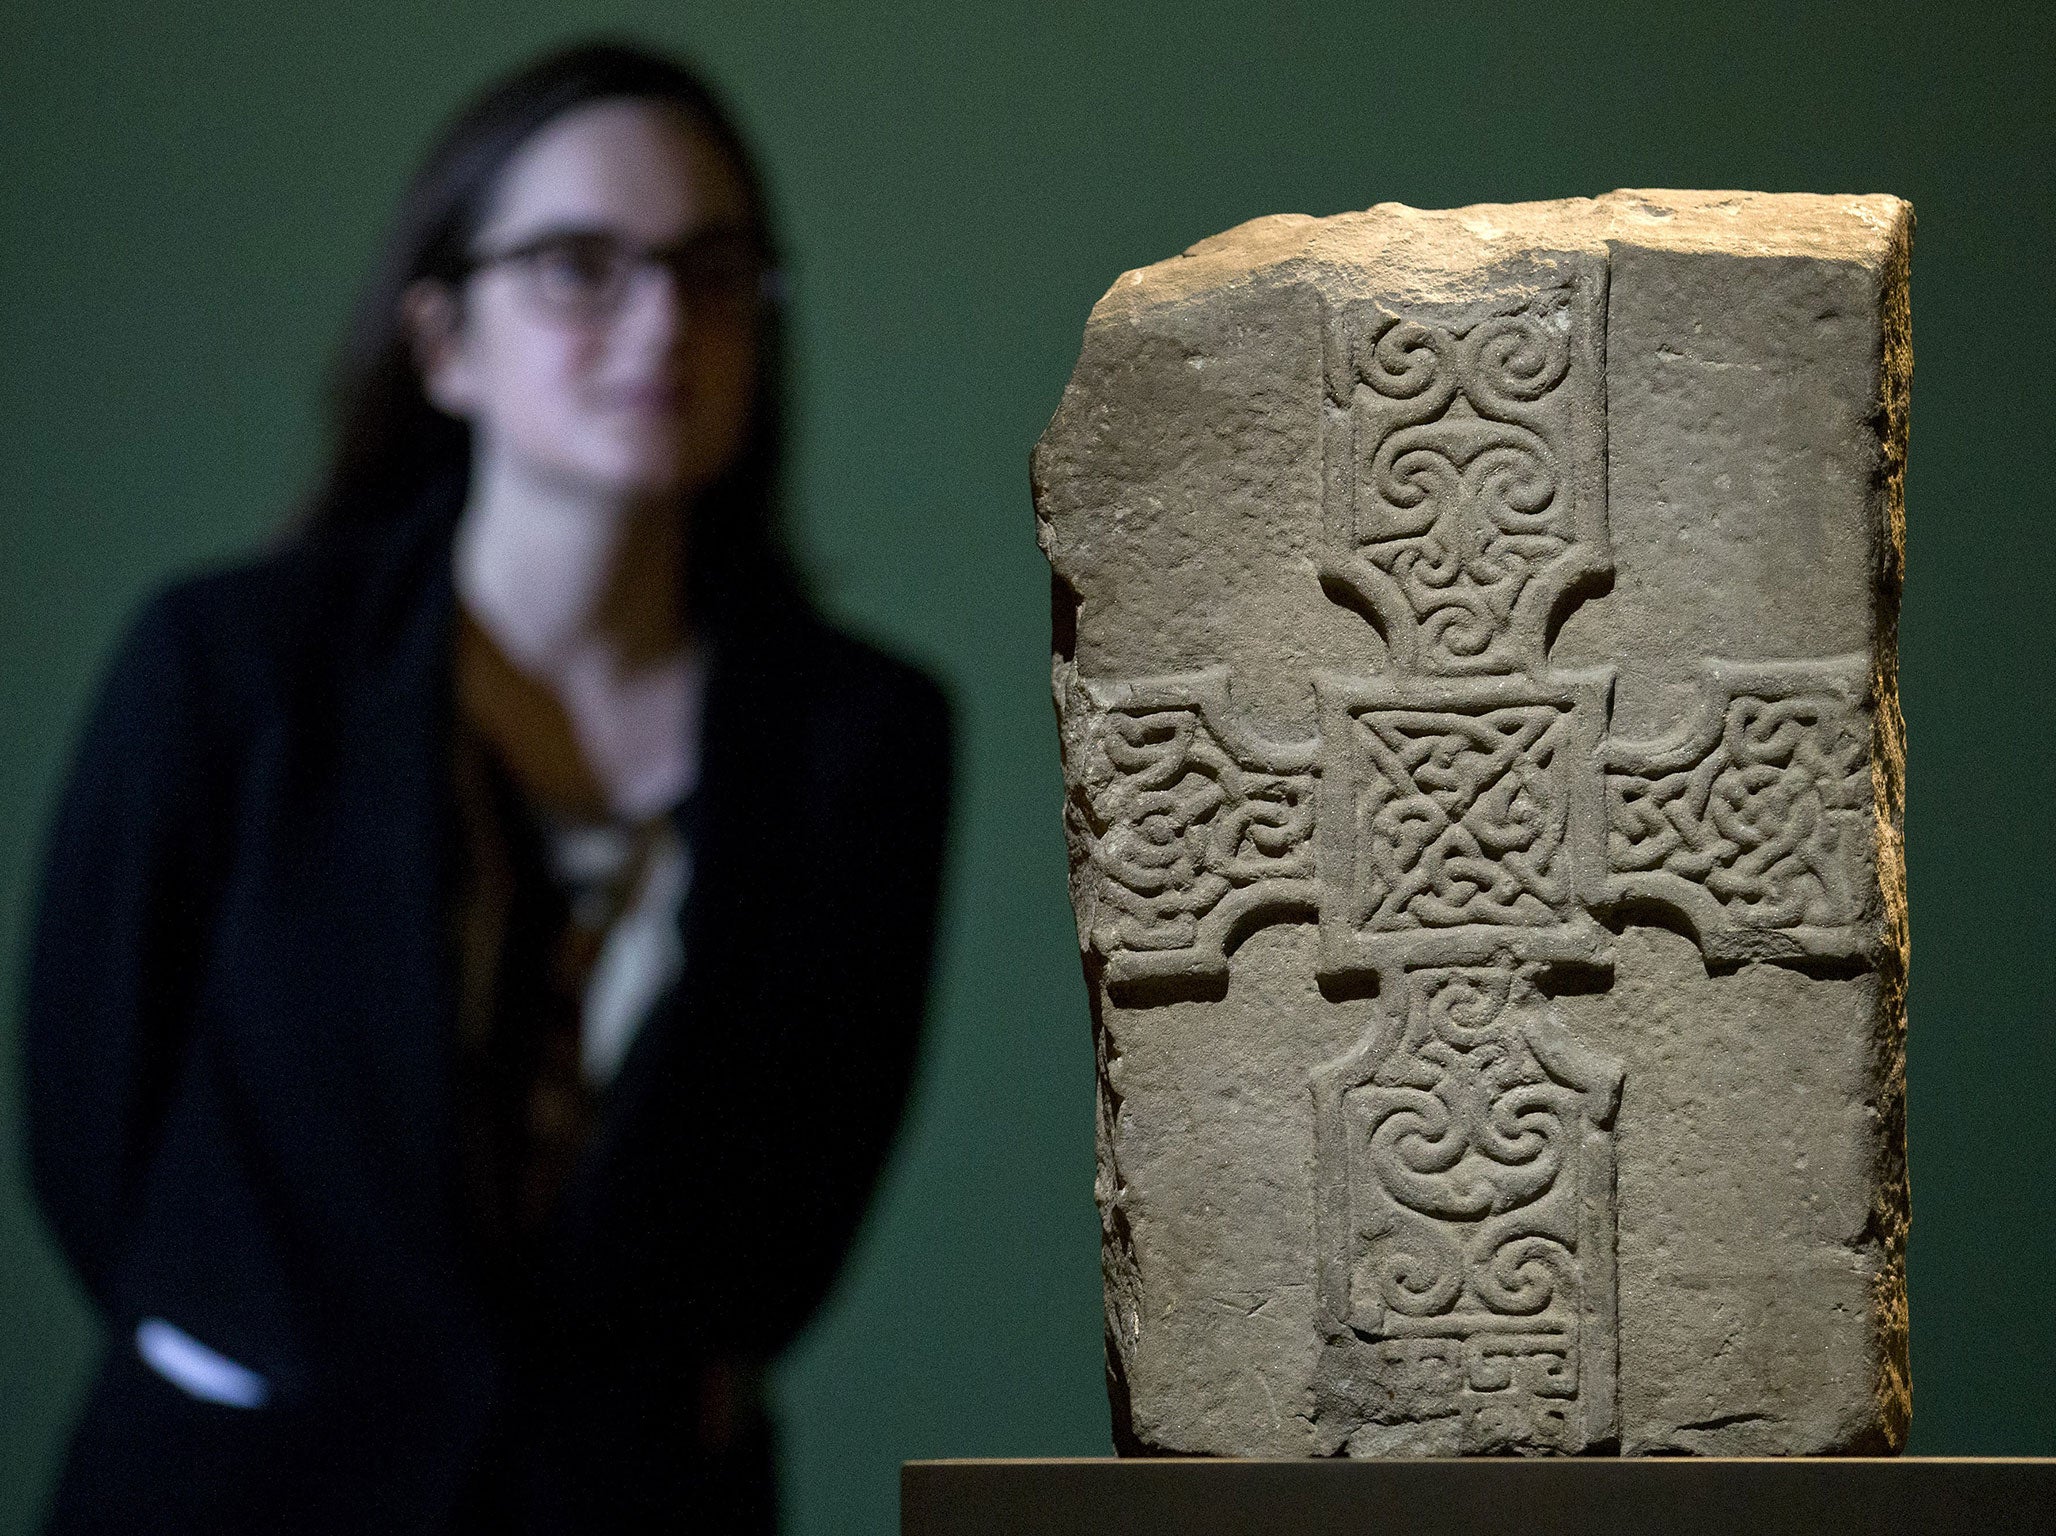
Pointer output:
x,y
1538,1497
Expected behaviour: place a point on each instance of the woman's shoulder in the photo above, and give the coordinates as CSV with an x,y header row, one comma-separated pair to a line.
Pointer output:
x,y
847,662
310,602
854,683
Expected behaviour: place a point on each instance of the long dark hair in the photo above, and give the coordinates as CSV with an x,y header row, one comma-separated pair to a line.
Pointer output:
x,y
392,453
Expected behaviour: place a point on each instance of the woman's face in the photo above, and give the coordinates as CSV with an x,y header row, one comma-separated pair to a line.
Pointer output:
x,y
578,363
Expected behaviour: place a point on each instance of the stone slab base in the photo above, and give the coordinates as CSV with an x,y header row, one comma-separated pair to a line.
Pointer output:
x,y
1577,1497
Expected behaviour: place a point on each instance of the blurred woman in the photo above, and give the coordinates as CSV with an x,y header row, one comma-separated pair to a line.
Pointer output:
x,y
483,941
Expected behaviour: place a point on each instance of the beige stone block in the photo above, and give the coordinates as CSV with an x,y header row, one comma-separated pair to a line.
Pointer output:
x,y
1475,664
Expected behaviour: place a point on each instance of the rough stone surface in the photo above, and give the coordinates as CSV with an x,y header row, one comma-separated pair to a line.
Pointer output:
x,y
1475,663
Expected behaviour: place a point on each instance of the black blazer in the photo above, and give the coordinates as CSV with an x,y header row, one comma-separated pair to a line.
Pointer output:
x,y
239,1050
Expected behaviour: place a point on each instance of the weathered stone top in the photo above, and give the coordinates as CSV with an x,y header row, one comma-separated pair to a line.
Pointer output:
x,y
1407,254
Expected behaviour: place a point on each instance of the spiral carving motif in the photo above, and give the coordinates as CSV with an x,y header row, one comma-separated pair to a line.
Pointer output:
x,y
1478,1273
1459,489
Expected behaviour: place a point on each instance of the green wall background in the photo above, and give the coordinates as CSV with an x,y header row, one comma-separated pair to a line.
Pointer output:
x,y
192,192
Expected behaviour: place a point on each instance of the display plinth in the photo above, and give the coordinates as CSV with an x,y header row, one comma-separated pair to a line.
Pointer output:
x,y
1538,1497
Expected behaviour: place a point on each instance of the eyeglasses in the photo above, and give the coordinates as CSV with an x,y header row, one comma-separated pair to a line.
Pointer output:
x,y
586,275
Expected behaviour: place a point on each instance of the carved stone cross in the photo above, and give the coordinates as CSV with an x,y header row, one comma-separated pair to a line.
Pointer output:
x,y
1505,598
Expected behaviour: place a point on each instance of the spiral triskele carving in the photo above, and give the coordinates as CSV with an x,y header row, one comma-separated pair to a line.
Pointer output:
x,y
1482,1140
1459,497
1498,362
1516,358
1405,361
1420,1273
1464,1010
1523,1274
1492,479
1475,1128
1463,1123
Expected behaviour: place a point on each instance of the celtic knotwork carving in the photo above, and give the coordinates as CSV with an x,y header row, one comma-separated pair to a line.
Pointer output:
x,y
1752,821
1463,816
1460,504
1181,828
1466,1161
1458,819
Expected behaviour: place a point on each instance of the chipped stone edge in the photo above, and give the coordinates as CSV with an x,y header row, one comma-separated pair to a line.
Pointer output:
x,y
1891,1213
